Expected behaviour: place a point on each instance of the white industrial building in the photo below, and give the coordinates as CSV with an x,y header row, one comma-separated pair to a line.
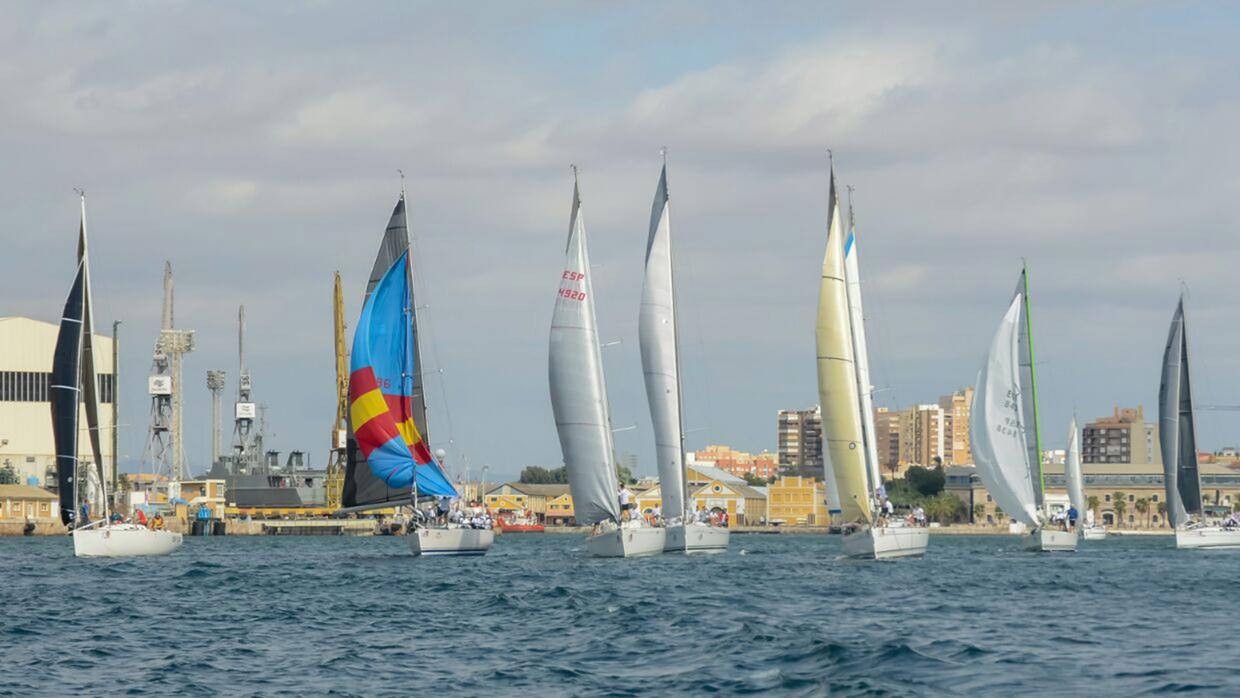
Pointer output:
x,y
26,348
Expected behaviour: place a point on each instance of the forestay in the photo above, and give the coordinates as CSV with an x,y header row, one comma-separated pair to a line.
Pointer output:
x,y
578,391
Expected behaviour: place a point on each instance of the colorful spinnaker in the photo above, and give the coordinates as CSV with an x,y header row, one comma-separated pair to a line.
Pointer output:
x,y
388,453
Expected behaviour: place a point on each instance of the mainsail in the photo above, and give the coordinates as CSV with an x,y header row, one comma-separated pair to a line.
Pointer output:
x,y
387,449
997,424
74,384
657,334
1181,478
578,391
1072,472
861,354
65,396
844,460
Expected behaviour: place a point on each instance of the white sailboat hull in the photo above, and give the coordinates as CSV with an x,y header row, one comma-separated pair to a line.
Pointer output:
x,y
885,542
627,542
123,540
1045,540
1207,537
1094,533
450,541
696,538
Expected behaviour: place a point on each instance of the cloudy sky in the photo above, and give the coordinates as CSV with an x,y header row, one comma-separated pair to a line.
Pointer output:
x,y
256,147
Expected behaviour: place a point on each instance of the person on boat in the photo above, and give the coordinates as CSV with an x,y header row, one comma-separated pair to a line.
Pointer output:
x,y
85,513
888,508
445,505
115,517
141,518
626,502
157,523
1073,514
656,514
723,519
919,515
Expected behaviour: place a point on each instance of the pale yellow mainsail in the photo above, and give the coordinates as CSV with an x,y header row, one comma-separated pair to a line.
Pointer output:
x,y
837,379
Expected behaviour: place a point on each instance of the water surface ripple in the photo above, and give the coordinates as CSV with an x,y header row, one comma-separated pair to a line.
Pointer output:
x,y
784,614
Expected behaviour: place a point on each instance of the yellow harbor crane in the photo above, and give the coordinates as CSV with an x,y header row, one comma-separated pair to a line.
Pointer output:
x,y
336,461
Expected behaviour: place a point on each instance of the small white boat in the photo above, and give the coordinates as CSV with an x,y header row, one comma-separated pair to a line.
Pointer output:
x,y
1207,536
1089,532
450,540
123,540
628,541
1048,540
695,537
885,542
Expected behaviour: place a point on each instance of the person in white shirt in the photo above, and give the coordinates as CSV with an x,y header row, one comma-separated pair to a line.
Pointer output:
x,y
627,509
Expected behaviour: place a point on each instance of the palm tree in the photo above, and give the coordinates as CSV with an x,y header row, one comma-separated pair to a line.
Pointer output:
x,y
1119,502
1162,513
979,511
1142,506
1092,502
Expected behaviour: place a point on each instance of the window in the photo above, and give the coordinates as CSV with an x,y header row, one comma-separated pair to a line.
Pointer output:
x,y
1108,497
1132,497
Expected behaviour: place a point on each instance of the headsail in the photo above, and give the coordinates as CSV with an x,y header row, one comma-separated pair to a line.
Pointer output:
x,y
1177,435
657,334
387,447
844,460
65,396
997,423
1029,388
578,391
1072,472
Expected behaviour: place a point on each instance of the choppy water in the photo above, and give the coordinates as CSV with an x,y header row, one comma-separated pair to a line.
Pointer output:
x,y
360,616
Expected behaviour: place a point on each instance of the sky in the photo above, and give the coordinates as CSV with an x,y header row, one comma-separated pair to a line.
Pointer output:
x,y
256,147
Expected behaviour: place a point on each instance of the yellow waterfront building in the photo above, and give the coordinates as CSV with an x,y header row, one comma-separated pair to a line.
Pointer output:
x,y
797,501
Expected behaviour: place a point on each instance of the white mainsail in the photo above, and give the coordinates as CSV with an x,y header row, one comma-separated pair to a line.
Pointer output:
x,y
578,392
844,460
997,424
657,334
1029,387
1072,472
861,354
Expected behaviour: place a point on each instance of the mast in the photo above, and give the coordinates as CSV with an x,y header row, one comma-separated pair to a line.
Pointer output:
x,y
680,393
1036,451
861,356
414,372
89,379
116,394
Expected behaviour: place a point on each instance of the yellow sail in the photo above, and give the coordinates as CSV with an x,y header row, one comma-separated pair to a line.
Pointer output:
x,y
837,380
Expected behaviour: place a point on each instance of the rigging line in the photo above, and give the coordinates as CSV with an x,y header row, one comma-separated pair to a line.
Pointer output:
x,y
428,327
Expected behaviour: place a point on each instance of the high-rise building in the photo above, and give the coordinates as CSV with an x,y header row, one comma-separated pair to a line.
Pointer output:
x,y
800,442
956,447
1124,437
887,439
921,435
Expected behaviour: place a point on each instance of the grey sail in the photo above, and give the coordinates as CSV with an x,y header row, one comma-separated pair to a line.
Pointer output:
x,y
578,392
1029,388
1178,440
657,333
362,490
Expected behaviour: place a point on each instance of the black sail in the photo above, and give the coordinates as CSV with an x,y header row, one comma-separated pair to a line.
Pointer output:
x,y
1177,433
64,394
362,490
90,380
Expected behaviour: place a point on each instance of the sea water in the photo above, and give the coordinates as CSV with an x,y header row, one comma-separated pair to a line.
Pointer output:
x,y
784,614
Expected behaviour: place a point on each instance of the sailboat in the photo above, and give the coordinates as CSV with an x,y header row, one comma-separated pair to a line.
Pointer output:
x,y
1086,528
1003,426
1178,437
851,454
74,390
660,347
388,457
582,419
